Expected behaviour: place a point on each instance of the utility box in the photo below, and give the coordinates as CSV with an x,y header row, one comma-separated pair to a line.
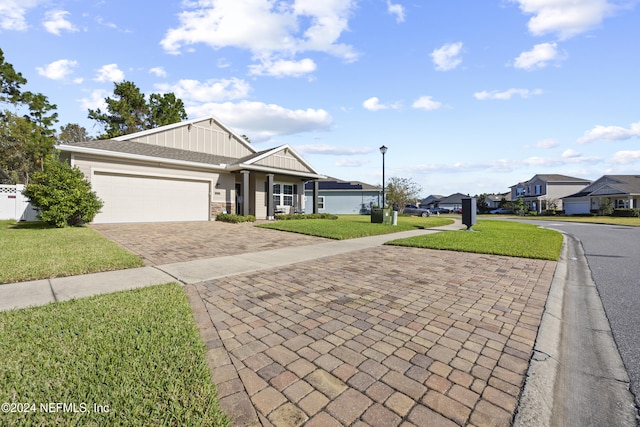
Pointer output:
x,y
469,212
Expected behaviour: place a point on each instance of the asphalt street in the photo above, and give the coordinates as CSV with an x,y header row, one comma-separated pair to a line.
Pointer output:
x,y
613,256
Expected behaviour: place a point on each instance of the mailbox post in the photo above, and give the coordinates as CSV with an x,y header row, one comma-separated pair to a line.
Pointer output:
x,y
469,212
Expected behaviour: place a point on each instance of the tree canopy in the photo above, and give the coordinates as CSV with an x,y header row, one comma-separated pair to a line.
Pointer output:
x,y
27,122
128,111
401,191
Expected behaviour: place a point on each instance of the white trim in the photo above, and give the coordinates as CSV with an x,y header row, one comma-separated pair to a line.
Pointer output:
x,y
267,169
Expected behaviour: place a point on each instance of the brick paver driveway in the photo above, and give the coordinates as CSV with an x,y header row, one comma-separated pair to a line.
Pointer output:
x,y
166,243
383,337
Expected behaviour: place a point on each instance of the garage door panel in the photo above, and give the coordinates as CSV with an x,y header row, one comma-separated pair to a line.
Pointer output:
x,y
150,199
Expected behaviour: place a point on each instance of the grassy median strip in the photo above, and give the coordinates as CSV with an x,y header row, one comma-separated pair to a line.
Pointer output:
x,y
494,237
353,226
129,358
35,251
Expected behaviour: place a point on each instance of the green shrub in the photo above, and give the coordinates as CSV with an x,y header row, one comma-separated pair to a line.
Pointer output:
x,y
62,194
629,213
532,213
235,219
306,216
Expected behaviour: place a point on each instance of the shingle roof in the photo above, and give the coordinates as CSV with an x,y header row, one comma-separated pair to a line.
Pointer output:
x,y
337,184
141,149
561,178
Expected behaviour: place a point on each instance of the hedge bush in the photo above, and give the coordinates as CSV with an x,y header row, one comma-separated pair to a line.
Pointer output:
x,y
306,216
629,213
62,194
235,219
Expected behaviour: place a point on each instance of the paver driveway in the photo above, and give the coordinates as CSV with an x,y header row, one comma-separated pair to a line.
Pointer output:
x,y
383,337
166,243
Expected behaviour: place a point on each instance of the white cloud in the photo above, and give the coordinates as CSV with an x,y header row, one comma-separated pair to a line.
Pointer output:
x,y
351,163
56,21
262,122
266,28
194,91
282,68
565,18
333,150
95,100
373,104
610,133
12,13
158,72
426,103
571,154
57,70
447,57
397,10
625,157
538,57
109,73
547,143
507,94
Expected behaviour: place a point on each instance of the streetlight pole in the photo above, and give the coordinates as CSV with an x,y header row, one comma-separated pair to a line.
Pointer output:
x,y
383,150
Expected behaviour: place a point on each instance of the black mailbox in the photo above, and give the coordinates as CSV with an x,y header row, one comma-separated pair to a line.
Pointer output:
x,y
469,212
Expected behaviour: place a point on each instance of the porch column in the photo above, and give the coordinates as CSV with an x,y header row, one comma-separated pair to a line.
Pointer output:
x,y
245,192
631,205
316,186
270,207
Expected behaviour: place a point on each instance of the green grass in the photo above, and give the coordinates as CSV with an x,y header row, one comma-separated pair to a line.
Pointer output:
x,y
35,251
138,352
353,226
494,237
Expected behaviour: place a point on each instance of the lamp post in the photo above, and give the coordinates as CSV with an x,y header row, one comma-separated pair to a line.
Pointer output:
x,y
383,150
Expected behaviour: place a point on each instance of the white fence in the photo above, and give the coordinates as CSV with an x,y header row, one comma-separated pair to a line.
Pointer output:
x,y
13,205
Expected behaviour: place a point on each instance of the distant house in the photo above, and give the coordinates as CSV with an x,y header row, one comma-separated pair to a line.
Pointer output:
x,y
542,190
622,190
452,202
343,197
431,201
493,200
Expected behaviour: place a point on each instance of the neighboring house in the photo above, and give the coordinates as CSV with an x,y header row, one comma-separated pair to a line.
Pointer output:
x,y
543,189
493,200
344,197
190,171
622,190
431,201
452,202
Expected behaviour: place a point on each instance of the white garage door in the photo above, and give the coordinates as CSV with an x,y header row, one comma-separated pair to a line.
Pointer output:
x,y
575,207
130,198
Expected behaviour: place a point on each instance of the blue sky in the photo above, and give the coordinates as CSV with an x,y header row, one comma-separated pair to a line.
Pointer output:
x,y
469,96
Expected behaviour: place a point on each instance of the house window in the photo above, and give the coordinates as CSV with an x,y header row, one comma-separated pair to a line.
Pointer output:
x,y
283,194
320,202
538,189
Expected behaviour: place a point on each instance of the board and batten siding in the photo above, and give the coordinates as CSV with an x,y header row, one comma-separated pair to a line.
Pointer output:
x,y
282,160
202,137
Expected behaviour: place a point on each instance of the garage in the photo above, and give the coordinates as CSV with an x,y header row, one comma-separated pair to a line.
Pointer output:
x,y
575,207
135,198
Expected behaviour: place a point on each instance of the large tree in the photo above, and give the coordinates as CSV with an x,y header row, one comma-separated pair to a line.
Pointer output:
x,y
73,132
26,125
128,111
401,191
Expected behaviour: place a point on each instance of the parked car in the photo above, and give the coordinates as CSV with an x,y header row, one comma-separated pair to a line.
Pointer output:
x,y
414,210
439,211
501,211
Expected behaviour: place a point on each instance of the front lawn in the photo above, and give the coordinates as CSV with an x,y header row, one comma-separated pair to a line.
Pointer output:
x,y
494,237
353,226
129,358
36,251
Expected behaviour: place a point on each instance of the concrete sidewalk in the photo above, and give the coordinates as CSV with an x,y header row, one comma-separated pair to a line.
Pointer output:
x,y
40,292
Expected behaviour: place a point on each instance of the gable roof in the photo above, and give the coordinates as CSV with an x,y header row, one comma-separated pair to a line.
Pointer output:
x,y
203,142
454,198
612,185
